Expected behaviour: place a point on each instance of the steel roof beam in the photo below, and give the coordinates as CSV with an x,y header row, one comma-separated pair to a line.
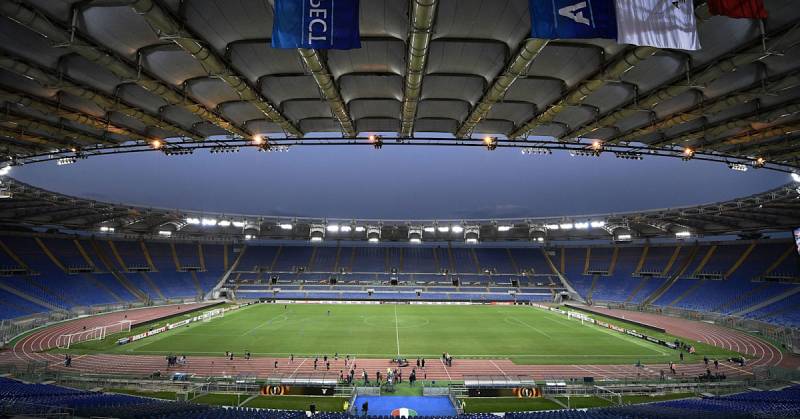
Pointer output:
x,y
46,108
166,27
714,106
35,21
327,86
33,141
729,124
702,77
517,67
107,103
612,73
423,15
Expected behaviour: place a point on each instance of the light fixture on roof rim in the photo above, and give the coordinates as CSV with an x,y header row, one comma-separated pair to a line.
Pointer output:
x,y
286,226
165,233
504,228
373,234
683,234
316,232
429,229
472,234
224,223
795,177
415,234
597,224
457,229
5,170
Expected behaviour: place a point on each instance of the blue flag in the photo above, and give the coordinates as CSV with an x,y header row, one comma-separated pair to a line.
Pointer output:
x,y
318,24
552,19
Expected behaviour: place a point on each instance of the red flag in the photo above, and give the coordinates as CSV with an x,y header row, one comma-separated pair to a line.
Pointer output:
x,y
748,9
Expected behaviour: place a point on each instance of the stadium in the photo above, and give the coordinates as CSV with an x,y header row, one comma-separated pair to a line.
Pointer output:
x,y
394,208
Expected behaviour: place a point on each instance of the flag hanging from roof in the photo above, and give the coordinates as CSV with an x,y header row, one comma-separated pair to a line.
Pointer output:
x,y
551,19
657,23
318,24
749,9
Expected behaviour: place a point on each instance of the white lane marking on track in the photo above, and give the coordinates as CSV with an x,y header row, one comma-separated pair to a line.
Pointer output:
x,y
445,370
498,368
298,367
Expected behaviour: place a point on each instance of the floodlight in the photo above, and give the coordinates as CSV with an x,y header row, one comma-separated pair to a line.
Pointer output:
x,y
429,229
258,139
737,167
683,234
285,226
491,142
332,228
5,170
373,240
316,239
623,237
156,144
551,226
795,177
106,229
224,223
165,233
582,226
193,221
457,229
540,239
504,228
415,240
238,224
471,240
565,226
360,229
208,222
345,228
249,237
443,229
597,224
688,154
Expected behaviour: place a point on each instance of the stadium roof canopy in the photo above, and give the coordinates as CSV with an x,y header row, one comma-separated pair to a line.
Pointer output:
x,y
79,78
31,207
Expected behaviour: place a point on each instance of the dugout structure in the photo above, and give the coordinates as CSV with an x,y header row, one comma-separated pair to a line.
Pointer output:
x,y
96,333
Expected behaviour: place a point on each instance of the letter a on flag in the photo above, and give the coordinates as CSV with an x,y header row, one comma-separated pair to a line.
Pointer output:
x,y
318,24
552,19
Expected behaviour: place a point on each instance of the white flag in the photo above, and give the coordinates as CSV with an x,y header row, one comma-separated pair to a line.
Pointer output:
x,y
657,23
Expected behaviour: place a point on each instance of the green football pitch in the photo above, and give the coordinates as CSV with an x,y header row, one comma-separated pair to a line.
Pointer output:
x,y
524,334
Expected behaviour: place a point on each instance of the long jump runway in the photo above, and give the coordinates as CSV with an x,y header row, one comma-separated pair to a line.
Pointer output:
x,y
31,348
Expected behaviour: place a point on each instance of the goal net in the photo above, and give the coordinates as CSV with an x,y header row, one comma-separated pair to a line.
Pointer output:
x,y
97,333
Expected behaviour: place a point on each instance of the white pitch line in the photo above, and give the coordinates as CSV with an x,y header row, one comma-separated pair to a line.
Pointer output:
x,y
397,330
268,322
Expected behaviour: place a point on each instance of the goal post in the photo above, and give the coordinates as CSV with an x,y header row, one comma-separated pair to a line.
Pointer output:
x,y
96,333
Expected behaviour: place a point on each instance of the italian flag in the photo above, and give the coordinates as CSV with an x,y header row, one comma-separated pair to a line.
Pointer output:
x,y
404,412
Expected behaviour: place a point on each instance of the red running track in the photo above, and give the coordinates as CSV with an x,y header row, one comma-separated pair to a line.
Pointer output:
x,y
30,349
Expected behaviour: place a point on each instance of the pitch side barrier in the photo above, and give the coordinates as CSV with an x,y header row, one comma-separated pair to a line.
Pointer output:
x,y
586,319
589,310
208,315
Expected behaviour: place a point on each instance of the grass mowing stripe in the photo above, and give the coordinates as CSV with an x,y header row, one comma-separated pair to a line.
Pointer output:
x,y
478,331
397,330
